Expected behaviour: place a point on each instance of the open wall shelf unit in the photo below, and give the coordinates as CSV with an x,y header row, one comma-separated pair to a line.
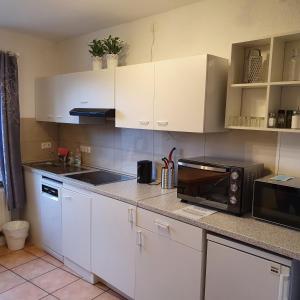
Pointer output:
x,y
249,104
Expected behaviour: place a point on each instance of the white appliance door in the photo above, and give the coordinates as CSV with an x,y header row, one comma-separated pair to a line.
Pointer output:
x,y
232,274
51,217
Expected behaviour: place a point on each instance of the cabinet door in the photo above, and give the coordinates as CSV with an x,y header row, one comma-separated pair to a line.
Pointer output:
x,y
68,86
166,270
134,96
76,215
96,89
113,243
33,206
232,274
180,94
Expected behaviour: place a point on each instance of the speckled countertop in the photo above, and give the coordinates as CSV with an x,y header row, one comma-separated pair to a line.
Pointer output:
x,y
127,191
267,236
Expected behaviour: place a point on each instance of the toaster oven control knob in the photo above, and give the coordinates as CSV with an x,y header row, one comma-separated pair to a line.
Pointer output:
x,y
234,175
233,200
233,187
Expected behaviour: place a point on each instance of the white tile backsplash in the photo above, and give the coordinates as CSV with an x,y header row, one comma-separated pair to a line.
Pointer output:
x,y
120,148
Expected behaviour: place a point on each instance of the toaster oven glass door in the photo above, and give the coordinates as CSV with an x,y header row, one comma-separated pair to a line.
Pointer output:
x,y
277,203
200,183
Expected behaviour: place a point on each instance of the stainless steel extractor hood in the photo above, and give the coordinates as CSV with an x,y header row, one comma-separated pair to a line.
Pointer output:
x,y
93,112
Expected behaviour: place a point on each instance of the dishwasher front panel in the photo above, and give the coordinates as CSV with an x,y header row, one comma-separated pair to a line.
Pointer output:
x,y
232,274
51,217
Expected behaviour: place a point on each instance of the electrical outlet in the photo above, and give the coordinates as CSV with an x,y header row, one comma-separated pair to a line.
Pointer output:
x,y
85,149
46,145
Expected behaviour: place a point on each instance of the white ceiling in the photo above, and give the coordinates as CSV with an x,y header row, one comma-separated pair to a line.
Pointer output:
x,y
60,19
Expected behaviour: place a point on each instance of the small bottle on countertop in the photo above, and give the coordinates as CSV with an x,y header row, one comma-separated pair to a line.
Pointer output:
x,y
272,120
71,159
77,158
296,119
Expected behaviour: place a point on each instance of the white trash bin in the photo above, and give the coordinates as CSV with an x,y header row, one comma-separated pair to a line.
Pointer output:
x,y
16,233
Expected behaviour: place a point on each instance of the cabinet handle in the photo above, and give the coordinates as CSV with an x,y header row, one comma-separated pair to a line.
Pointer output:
x,y
84,102
145,123
59,117
162,123
68,198
139,238
162,225
131,215
283,293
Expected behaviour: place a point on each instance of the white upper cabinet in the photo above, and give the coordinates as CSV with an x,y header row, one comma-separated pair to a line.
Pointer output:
x,y
185,94
57,95
180,94
134,96
96,89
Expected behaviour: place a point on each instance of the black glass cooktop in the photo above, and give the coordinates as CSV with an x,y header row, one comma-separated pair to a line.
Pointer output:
x,y
100,177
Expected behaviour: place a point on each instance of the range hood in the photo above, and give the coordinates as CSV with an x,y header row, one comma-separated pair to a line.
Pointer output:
x,y
93,112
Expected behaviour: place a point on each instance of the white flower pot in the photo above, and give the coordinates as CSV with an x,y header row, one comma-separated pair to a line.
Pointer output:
x,y
112,60
97,63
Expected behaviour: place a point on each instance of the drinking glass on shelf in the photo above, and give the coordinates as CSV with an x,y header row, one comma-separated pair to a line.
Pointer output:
x,y
261,122
245,121
253,122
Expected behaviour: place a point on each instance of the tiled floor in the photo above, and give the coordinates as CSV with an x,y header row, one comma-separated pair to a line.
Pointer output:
x,y
32,274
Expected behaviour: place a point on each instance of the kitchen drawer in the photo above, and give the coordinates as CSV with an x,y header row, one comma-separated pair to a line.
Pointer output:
x,y
180,232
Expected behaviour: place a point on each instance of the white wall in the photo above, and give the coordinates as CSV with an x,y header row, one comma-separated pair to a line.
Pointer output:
x,y
37,58
207,26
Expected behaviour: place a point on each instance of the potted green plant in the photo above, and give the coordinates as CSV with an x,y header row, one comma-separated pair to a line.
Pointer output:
x,y
97,50
112,46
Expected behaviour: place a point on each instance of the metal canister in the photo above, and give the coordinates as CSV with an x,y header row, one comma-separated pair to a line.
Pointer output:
x,y
167,178
254,66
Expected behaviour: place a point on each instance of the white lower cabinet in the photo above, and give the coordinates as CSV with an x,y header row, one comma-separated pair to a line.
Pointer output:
x,y
76,223
32,211
167,267
113,243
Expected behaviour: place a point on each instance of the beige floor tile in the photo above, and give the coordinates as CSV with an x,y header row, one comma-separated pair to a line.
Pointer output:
x,y
49,297
4,250
78,290
54,280
9,280
102,286
35,251
33,269
2,269
15,259
26,291
50,259
110,295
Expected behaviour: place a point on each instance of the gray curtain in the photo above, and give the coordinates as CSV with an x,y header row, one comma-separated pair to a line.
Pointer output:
x,y
10,152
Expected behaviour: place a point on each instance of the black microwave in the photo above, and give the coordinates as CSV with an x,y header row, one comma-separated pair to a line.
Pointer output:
x,y
220,184
277,201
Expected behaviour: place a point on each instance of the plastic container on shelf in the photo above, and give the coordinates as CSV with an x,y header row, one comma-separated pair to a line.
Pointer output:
x,y
296,119
16,233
